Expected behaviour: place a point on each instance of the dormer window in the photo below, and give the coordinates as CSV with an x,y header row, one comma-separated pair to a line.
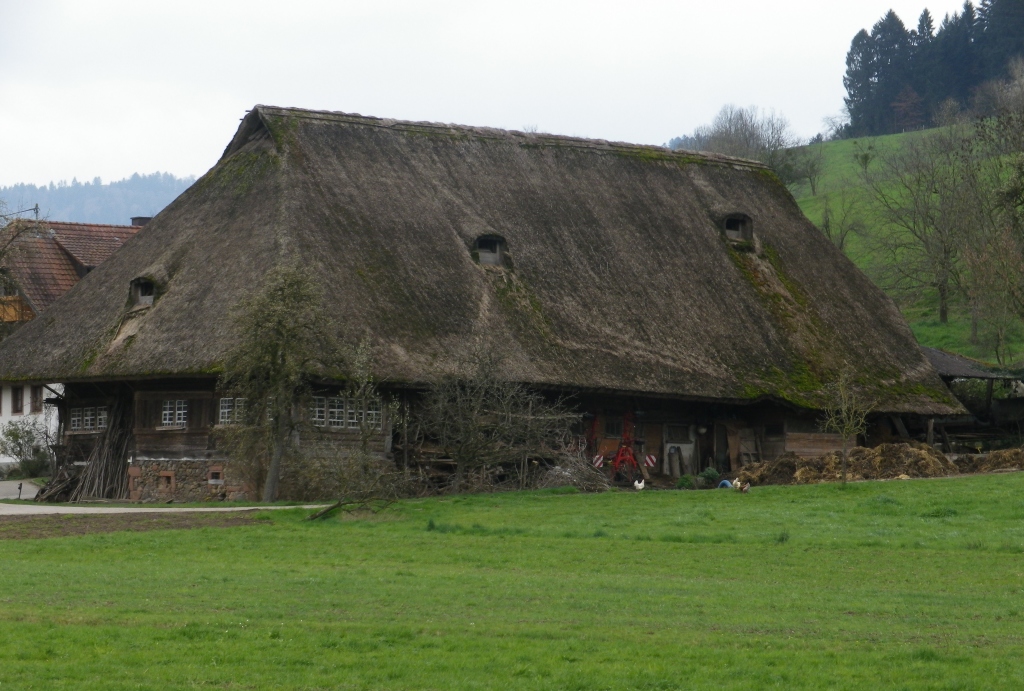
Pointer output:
x,y
739,228
143,292
490,250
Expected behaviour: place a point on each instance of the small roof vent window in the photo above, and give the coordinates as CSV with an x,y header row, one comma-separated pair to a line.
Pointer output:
x,y
739,228
143,291
490,250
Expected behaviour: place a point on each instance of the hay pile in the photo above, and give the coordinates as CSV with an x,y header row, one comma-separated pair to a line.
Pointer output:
x,y
1008,459
887,461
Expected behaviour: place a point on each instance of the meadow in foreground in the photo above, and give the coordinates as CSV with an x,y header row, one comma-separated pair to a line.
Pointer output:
x,y
915,584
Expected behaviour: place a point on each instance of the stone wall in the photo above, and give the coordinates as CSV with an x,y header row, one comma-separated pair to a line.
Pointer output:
x,y
191,481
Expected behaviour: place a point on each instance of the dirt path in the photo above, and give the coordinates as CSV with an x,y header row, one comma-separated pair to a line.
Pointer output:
x,y
51,509
9,489
45,526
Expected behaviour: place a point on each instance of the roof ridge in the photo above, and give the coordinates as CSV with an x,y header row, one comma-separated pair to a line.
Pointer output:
x,y
79,223
498,133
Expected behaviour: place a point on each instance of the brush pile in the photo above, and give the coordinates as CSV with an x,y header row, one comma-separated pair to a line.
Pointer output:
x,y
887,461
1008,459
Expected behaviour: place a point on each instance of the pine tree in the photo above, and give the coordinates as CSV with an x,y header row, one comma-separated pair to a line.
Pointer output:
x,y
860,70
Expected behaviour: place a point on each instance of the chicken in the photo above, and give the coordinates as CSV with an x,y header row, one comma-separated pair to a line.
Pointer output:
x,y
638,484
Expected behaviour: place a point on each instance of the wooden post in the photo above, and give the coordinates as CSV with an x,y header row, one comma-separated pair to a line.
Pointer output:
x,y
930,438
988,397
405,432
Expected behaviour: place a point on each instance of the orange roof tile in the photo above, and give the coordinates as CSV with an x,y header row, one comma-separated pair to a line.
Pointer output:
x,y
47,259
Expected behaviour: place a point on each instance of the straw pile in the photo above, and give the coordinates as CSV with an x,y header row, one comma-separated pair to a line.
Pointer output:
x,y
887,461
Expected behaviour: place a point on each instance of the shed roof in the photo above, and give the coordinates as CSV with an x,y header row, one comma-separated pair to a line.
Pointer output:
x,y
953,366
621,277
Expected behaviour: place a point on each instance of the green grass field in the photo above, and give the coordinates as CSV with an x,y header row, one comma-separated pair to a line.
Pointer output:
x,y
842,174
900,585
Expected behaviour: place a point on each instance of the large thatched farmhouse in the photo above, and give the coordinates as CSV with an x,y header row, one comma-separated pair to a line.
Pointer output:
x,y
682,292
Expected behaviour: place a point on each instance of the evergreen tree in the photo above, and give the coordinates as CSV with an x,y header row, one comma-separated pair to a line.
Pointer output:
x,y
859,78
893,75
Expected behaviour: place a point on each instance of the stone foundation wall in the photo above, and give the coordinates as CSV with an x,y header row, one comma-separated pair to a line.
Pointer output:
x,y
191,481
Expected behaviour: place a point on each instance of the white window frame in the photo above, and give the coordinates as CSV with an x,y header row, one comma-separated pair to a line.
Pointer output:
x,y
102,415
353,413
174,414
75,420
318,413
227,411
336,412
89,419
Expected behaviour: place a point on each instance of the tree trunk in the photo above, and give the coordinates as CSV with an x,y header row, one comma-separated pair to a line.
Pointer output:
x,y
460,474
943,303
274,472
844,459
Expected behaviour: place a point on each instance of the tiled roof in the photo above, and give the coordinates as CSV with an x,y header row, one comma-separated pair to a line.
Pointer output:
x,y
42,270
91,244
47,259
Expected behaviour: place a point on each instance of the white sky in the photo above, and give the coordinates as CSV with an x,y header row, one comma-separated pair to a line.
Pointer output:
x,y
113,87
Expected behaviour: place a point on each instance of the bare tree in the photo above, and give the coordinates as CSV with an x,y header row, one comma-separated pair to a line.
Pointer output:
x,y
483,421
996,292
927,195
846,412
840,221
284,344
745,133
810,165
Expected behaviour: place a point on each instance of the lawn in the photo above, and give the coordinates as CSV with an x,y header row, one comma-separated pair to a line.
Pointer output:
x,y
913,584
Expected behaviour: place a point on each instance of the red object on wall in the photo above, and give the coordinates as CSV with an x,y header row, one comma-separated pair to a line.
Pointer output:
x,y
625,456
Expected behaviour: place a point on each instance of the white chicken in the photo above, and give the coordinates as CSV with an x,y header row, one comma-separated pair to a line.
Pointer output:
x,y
638,484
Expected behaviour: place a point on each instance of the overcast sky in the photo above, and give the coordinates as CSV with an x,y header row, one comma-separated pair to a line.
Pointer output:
x,y
112,87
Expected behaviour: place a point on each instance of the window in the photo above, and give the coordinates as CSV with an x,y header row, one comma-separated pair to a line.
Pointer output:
x,y
231,410
373,414
336,413
490,249
613,427
319,412
75,419
88,419
143,291
175,413
355,416
37,399
17,400
739,228
101,417
167,483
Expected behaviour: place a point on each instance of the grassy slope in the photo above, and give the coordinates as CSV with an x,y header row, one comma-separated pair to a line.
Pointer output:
x,y
879,585
841,172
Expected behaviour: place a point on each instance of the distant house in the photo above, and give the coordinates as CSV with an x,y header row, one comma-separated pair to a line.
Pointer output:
x,y
680,298
42,260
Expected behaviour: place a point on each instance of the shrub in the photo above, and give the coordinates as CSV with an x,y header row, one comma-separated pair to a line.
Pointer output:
x,y
686,482
709,477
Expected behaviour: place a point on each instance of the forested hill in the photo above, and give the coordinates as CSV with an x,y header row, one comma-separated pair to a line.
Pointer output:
x,y
96,201
897,79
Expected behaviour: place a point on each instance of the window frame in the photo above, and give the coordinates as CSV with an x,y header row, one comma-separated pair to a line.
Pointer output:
x,y
36,399
17,400
173,414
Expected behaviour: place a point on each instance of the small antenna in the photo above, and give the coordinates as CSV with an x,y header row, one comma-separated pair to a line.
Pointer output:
x,y
36,210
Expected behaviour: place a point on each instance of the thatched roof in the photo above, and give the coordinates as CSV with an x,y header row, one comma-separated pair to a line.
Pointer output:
x,y
621,277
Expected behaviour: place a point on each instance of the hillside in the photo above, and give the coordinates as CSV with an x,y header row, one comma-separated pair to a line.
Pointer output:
x,y
841,180
96,201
